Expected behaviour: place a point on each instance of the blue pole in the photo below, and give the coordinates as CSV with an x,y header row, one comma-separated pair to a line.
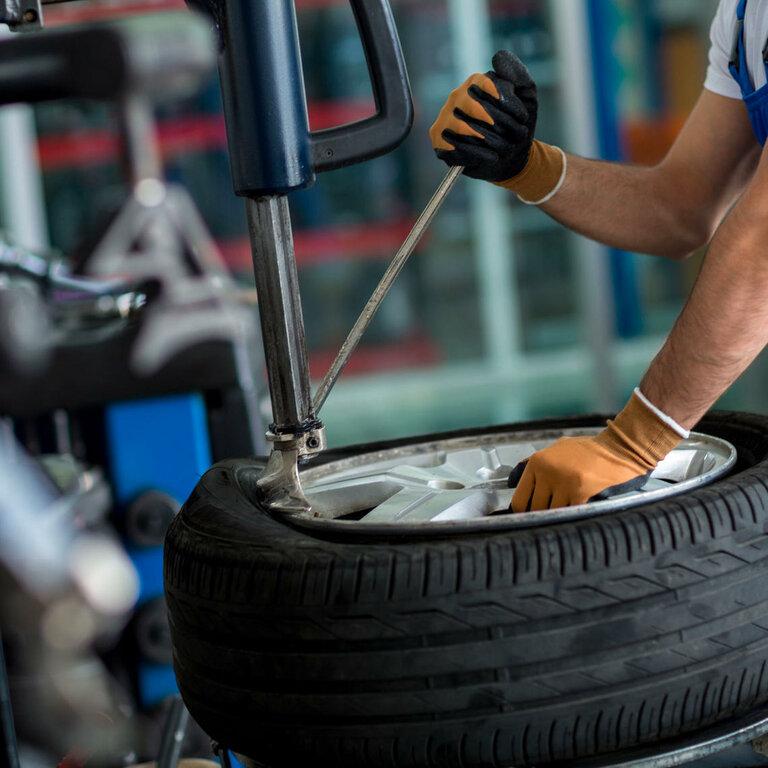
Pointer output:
x,y
603,25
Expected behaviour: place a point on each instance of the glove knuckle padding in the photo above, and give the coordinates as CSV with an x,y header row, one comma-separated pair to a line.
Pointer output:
x,y
476,118
509,113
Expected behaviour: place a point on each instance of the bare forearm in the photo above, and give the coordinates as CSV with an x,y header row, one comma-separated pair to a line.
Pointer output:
x,y
674,207
625,206
725,322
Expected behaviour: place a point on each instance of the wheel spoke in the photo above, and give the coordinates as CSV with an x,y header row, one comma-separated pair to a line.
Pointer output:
x,y
413,506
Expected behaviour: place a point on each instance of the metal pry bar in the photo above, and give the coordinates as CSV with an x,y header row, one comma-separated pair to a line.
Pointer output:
x,y
382,289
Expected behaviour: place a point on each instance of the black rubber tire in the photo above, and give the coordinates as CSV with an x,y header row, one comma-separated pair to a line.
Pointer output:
x,y
524,647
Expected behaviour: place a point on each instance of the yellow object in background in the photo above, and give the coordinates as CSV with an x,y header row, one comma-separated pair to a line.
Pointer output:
x,y
684,60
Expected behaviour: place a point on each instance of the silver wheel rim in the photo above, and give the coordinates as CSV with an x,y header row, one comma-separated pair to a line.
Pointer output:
x,y
461,484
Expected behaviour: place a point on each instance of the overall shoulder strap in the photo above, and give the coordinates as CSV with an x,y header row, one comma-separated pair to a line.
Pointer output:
x,y
738,62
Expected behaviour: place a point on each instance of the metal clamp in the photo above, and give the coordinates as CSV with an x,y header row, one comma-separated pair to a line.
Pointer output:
x,y
279,484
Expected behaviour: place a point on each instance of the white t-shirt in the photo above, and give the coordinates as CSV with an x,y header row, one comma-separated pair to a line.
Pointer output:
x,y
722,35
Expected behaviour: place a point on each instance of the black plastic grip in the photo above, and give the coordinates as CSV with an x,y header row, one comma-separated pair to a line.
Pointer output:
x,y
376,135
271,149
83,63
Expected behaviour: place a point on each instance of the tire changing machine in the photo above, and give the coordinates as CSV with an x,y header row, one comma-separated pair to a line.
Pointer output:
x,y
273,153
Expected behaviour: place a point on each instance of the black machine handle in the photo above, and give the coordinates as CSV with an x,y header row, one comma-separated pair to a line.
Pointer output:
x,y
356,142
271,149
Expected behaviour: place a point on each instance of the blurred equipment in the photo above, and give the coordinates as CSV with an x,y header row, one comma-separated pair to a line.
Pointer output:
x,y
21,15
173,294
126,370
69,584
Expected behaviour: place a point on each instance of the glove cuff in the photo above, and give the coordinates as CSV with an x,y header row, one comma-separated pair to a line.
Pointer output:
x,y
542,177
639,434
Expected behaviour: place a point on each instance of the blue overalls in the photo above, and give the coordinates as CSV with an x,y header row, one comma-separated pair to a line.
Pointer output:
x,y
756,101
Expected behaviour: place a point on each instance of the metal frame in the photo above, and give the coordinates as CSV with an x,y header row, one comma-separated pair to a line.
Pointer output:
x,y
493,251
164,443
272,153
602,31
282,322
21,188
295,432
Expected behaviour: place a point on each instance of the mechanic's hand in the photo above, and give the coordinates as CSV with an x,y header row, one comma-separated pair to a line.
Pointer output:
x,y
575,470
488,125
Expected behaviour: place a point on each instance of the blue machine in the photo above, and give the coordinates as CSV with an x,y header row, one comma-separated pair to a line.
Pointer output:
x,y
159,446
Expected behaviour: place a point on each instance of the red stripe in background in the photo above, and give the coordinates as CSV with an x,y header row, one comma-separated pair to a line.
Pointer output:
x,y
80,12
321,246
418,351
178,136
76,13
98,147
68,150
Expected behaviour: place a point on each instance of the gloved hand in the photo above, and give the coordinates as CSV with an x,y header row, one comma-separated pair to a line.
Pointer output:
x,y
488,125
574,470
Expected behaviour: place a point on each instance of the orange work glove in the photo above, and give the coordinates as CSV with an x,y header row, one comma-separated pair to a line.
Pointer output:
x,y
575,470
488,124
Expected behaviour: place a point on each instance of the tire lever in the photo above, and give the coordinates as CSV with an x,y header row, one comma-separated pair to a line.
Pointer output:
x,y
382,289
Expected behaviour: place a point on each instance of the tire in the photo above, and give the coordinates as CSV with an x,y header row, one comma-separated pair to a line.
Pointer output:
x,y
522,647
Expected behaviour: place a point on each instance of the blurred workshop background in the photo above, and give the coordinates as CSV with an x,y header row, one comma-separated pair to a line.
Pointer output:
x,y
502,315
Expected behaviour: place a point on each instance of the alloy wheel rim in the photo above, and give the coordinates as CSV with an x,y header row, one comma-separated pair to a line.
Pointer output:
x,y
462,483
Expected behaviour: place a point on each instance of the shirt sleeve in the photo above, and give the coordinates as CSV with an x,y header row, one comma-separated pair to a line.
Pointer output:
x,y
719,79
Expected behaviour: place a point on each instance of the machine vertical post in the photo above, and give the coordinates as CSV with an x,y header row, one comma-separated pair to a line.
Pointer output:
x,y
282,321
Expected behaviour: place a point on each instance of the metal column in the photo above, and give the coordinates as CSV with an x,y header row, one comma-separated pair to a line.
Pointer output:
x,y
494,254
282,321
571,31
21,190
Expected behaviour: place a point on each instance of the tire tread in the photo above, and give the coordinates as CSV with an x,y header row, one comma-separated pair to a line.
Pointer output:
x,y
385,639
